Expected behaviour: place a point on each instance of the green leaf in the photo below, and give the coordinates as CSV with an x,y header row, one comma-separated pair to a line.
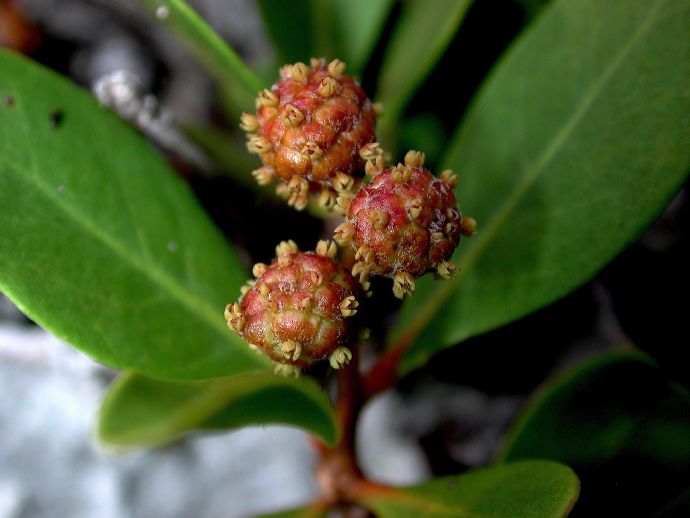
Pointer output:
x,y
102,244
616,421
422,33
316,510
575,144
358,24
530,489
300,29
344,29
140,411
239,83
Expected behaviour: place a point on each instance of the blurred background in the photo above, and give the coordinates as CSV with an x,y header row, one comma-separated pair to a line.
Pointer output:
x,y
443,419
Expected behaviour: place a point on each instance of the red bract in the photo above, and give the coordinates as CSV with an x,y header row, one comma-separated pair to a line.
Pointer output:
x,y
299,309
309,129
404,224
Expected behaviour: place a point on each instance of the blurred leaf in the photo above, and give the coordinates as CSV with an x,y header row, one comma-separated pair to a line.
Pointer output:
x,y
228,153
239,83
620,425
140,411
424,131
531,489
344,29
316,510
101,243
422,33
300,29
577,142
358,24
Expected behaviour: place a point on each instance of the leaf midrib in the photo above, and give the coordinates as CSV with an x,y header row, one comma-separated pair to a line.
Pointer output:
x,y
195,304
484,238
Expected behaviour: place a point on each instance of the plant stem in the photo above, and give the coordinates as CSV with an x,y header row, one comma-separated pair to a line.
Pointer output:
x,y
384,374
337,472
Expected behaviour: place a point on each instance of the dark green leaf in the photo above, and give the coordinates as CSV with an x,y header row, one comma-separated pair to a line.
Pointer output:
x,y
300,29
619,424
101,243
344,29
140,411
531,489
422,33
240,84
577,141
358,23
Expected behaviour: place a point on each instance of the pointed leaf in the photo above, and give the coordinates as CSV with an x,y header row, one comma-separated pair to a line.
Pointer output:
x,y
531,489
101,243
422,33
238,81
577,141
141,411
616,421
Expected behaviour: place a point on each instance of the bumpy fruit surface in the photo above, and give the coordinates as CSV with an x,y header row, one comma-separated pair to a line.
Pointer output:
x,y
309,129
300,307
404,224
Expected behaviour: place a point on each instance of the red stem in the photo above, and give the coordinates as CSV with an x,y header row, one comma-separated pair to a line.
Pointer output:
x,y
337,471
384,374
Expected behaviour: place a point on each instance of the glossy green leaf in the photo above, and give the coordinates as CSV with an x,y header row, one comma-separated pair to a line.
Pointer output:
x,y
422,33
619,424
577,142
239,83
530,489
102,244
358,24
140,411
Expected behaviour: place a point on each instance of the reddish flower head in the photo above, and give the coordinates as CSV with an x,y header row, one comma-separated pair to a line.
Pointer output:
x,y
299,309
404,224
309,129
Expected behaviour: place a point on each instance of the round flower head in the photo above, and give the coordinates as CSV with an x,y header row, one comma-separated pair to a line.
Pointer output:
x,y
309,130
299,308
404,224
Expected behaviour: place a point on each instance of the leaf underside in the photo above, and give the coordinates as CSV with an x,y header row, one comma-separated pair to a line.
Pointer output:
x,y
140,411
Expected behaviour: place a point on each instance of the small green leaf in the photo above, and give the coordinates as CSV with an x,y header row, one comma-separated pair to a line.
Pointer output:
x,y
531,489
140,411
358,24
102,244
578,140
618,422
422,33
238,81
